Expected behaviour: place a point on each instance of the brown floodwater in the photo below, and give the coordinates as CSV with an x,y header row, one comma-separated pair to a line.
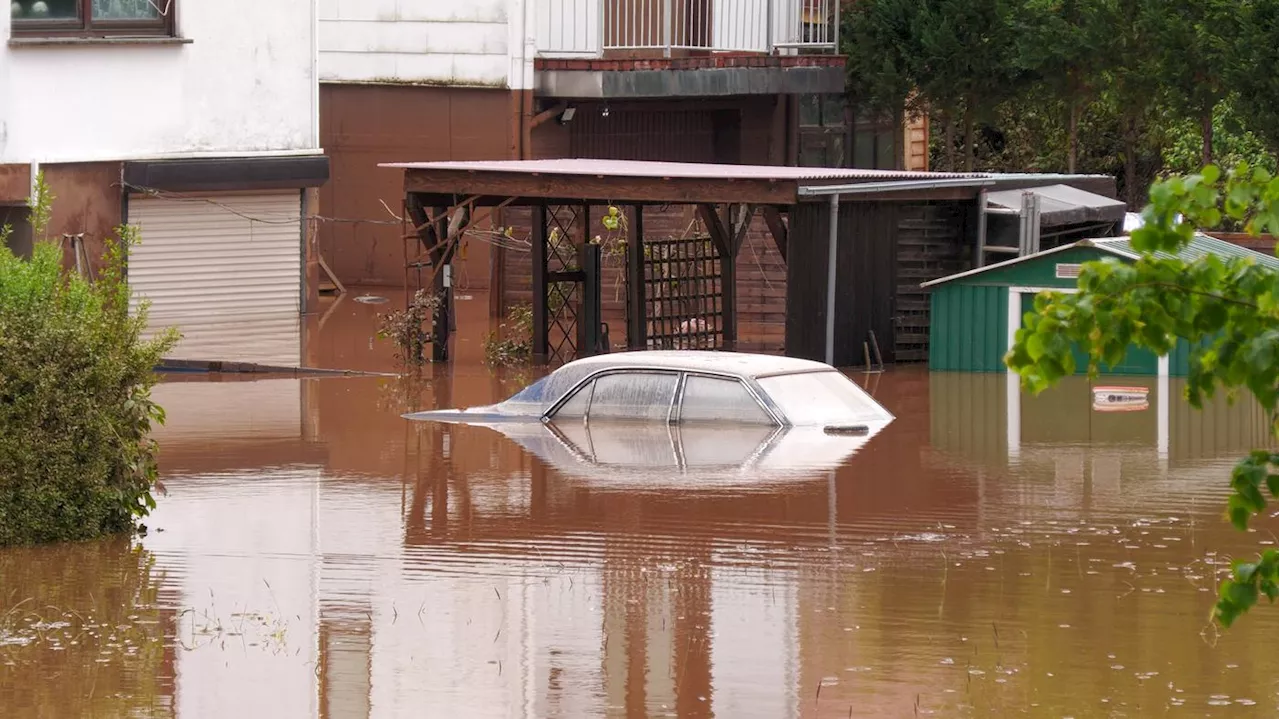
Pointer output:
x,y
316,555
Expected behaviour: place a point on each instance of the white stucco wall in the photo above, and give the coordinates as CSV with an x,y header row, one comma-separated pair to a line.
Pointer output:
x,y
416,41
246,83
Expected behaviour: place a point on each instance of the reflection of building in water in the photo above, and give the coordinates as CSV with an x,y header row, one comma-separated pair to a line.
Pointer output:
x,y
440,567
984,418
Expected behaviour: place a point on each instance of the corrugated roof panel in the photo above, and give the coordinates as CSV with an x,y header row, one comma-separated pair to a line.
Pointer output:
x,y
684,170
1200,246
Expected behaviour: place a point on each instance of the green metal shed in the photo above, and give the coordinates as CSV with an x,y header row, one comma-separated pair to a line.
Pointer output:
x,y
974,314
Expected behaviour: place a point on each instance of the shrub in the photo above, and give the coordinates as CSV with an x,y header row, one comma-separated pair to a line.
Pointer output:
x,y
76,460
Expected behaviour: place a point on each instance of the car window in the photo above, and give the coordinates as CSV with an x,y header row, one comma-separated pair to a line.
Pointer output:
x,y
822,398
576,406
710,399
633,395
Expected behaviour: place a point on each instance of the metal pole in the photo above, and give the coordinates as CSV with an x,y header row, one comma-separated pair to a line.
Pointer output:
x,y
833,233
980,246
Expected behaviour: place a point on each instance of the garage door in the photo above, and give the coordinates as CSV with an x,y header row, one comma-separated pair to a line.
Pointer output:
x,y
226,269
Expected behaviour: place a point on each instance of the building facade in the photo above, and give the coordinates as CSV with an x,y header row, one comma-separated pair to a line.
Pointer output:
x,y
717,81
196,122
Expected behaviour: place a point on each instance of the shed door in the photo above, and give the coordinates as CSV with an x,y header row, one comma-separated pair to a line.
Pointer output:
x,y
226,269
1137,361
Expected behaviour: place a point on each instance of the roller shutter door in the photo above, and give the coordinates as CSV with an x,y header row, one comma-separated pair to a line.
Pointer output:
x,y
226,269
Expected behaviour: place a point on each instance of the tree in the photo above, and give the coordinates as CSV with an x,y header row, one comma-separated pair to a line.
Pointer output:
x,y
1068,44
965,62
1196,43
76,459
1254,78
1225,309
877,40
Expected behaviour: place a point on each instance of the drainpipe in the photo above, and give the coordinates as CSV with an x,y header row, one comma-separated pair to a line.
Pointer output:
x,y
315,73
833,231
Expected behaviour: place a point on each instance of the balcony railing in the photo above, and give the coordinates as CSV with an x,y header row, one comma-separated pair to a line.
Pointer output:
x,y
589,28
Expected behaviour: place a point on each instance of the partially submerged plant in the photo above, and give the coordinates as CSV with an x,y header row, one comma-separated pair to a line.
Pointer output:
x,y
409,328
512,343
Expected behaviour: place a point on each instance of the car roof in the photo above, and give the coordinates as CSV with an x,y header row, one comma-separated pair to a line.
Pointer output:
x,y
742,364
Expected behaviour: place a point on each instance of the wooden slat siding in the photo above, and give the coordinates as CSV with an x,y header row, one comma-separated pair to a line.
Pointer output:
x,y
932,242
761,291
866,278
629,133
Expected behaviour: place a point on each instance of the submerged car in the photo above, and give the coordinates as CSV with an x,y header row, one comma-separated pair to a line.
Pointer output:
x,y
679,386
651,419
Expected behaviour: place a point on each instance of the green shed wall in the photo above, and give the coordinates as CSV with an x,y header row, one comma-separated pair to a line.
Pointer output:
x,y
969,318
969,327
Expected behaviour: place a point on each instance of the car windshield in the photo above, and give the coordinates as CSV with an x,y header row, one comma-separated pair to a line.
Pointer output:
x,y
822,398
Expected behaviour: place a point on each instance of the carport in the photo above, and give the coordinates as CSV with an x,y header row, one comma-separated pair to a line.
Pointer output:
x,y
837,229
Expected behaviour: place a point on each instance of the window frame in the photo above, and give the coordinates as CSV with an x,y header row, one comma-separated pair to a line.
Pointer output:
x,y
84,26
676,403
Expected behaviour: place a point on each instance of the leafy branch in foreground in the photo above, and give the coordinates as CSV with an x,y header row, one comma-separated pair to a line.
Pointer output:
x,y
1226,310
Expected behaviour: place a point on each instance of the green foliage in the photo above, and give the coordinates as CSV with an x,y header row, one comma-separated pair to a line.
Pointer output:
x,y
408,328
1227,309
1134,88
76,459
512,343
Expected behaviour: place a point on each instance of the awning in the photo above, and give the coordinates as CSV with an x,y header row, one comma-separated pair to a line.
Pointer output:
x,y
1062,205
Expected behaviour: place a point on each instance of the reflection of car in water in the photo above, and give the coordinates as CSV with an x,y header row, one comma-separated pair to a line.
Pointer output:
x,y
655,415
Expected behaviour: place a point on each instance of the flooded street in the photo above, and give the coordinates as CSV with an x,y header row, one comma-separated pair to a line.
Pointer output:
x,y
318,556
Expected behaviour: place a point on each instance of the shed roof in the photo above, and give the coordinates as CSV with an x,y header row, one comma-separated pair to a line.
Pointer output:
x,y
1200,246
1063,205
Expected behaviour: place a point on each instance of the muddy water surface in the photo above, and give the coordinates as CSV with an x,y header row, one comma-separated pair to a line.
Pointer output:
x,y
318,556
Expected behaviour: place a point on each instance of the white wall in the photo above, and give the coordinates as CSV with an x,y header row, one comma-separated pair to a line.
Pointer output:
x,y
246,83
455,42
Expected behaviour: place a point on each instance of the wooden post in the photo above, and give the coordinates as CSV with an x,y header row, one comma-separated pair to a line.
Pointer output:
x,y
724,244
439,258
637,316
538,237
584,333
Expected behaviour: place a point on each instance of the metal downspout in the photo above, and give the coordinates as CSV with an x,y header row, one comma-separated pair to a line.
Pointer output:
x,y
833,234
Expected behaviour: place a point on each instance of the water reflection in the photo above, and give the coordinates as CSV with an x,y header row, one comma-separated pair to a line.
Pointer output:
x,y
319,556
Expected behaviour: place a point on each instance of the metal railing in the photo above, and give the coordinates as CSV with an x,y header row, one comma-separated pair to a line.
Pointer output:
x,y
588,28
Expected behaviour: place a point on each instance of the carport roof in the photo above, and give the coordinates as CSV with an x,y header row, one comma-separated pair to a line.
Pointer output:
x,y
627,181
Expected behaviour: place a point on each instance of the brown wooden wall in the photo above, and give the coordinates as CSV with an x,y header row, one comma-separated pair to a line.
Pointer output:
x,y
748,131
363,125
885,251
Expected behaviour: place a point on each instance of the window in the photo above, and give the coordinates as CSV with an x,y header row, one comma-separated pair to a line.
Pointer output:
x,y
713,398
875,143
633,395
576,406
92,18
822,131
822,398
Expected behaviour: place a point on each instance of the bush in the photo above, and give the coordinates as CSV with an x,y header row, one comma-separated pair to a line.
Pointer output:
x,y
75,381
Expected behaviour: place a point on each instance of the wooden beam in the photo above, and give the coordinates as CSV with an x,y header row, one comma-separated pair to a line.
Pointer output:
x,y
602,189
728,272
538,237
773,219
740,232
637,320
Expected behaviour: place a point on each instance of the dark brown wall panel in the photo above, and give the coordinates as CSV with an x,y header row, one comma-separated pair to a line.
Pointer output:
x,y
86,200
363,125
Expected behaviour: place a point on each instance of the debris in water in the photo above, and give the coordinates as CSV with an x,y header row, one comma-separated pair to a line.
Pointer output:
x,y
371,299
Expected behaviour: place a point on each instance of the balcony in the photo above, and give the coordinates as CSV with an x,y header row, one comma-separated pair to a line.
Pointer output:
x,y
686,48
675,28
